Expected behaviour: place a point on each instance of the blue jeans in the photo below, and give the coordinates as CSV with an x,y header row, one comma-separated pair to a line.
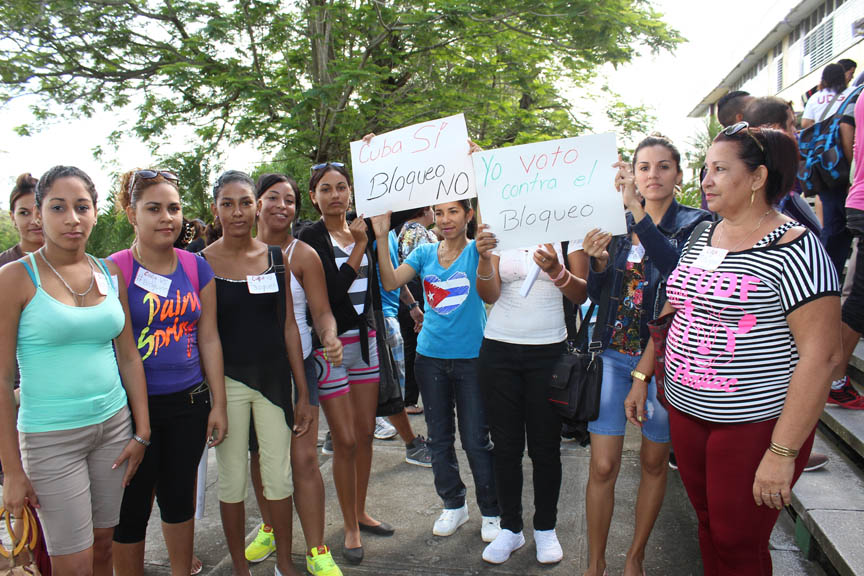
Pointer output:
x,y
449,386
613,391
836,238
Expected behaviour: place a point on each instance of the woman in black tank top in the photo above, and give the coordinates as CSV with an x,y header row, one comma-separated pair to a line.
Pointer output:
x,y
262,350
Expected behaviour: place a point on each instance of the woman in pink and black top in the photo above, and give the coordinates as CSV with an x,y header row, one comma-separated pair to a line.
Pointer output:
x,y
749,353
842,391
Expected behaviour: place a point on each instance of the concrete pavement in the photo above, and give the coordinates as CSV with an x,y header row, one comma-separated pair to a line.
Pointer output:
x,y
404,496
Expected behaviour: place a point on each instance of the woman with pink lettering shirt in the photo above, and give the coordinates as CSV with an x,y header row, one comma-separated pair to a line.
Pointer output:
x,y
172,306
750,351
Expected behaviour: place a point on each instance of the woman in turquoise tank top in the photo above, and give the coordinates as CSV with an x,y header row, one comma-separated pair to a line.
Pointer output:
x,y
61,310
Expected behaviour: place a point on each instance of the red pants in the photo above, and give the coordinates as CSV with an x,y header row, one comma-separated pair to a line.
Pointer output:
x,y
718,463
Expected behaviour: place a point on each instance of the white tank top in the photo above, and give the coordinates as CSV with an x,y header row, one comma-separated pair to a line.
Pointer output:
x,y
536,319
298,295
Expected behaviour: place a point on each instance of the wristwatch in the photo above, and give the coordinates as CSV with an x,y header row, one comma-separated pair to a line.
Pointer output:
x,y
413,305
639,376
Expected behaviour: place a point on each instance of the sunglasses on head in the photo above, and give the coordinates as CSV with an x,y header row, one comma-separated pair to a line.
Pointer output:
x,y
151,174
745,127
317,167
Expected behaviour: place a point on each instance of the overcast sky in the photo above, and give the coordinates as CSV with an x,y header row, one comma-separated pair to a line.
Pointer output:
x,y
719,35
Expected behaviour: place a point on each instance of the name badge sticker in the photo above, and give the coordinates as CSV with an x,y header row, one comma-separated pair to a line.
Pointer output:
x,y
636,254
710,258
262,284
151,282
101,283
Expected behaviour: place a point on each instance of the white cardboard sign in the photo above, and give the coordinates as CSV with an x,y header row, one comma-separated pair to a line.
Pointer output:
x,y
412,167
550,191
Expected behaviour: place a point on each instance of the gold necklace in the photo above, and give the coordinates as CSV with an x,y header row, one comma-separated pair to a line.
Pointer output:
x,y
761,220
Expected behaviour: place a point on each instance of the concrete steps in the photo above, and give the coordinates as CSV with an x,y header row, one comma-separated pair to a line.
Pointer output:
x,y
828,504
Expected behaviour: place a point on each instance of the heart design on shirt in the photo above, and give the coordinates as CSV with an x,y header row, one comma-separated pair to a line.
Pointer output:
x,y
445,296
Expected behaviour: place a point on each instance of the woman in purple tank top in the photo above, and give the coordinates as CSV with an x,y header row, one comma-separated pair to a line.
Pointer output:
x,y
172,305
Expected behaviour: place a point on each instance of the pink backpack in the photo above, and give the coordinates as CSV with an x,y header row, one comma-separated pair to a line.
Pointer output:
x,y
123,259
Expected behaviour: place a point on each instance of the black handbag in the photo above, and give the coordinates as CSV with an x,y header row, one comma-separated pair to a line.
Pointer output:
x,y
575,387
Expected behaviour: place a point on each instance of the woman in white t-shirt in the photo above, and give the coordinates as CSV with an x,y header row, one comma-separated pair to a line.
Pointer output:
x,y
524,338
828,99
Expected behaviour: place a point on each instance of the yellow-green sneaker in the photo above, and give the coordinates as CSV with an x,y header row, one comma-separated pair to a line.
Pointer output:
x,y
263,546
319,562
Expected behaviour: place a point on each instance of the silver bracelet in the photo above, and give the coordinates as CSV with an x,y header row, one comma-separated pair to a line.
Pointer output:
x,y
487,277
140,440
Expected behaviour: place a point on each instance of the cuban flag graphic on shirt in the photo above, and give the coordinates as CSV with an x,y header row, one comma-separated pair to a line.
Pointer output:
x,y
445,296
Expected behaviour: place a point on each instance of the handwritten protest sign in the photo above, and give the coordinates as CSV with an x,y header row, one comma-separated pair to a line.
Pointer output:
x,y
412,167
549,191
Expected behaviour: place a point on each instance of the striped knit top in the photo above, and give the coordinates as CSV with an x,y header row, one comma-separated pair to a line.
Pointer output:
x,y
730,353
357,290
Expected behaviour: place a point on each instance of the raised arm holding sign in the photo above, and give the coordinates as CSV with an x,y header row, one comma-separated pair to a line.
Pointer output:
x,y
550,191
412,167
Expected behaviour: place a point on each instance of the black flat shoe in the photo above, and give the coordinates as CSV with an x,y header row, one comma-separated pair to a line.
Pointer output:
x,y
353,555
382,529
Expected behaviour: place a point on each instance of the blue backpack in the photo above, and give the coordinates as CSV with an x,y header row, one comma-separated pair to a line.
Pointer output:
x,y
823,165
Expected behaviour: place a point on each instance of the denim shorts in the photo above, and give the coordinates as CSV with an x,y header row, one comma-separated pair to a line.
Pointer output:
x,y
616,385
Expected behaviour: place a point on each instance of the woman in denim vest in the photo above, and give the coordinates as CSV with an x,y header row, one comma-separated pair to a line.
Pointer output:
x,y
626,279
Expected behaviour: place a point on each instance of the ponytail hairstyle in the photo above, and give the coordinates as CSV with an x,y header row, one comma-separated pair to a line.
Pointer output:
x,y
57,172
834,78
467,205
229,177
267,181
132,186
24,185
658,139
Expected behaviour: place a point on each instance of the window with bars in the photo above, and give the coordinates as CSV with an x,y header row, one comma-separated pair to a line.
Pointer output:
x,y
779,68
819,45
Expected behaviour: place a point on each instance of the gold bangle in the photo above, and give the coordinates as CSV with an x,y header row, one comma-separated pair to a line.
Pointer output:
x,y
639,376
782,450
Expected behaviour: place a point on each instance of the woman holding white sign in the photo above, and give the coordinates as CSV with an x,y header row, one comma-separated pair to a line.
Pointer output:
x,y
626,280
262,351
446,363
524,338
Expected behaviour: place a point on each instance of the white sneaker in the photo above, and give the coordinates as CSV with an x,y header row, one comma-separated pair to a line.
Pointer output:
x,y
548,548
383,429
502,546
490,527
450,520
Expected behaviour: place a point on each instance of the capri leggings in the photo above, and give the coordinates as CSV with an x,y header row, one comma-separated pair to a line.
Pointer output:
x,y
336,381
178,425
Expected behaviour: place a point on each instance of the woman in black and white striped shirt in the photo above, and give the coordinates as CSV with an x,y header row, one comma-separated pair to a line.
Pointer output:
x,y
749,353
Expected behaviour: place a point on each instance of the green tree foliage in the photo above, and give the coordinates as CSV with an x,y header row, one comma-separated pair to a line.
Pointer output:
x,y
8,233
691,194
306,77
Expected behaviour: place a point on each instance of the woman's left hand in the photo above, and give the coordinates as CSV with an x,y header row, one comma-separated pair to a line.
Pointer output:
x,y
772,486
134,453
473,147
634,403
547,259
302,417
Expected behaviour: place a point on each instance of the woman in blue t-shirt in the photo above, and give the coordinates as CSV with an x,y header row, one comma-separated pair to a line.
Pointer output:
x,y
446,364
172,305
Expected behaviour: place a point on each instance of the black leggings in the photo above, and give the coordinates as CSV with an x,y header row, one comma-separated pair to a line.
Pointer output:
x,y
178,430
853,308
